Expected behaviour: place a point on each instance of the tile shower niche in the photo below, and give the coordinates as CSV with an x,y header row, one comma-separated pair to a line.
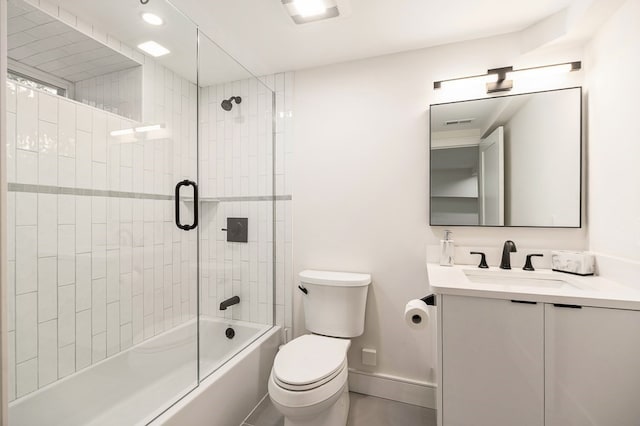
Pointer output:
x,y
46,54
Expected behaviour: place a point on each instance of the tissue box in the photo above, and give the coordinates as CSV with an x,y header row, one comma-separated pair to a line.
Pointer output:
x,y
573,262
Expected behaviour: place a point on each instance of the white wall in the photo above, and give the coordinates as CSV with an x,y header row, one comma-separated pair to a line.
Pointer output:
x,y
360,195
542,165
612,64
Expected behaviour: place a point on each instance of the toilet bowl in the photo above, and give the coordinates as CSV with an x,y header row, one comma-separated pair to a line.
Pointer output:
x,y
308,382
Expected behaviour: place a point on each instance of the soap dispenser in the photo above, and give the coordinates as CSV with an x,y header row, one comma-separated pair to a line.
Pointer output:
x,y
446,250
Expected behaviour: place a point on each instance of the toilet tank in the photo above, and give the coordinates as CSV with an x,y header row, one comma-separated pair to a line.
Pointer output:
x,y
334,302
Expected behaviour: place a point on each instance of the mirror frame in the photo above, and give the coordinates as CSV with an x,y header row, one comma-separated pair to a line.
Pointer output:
x,y
581,148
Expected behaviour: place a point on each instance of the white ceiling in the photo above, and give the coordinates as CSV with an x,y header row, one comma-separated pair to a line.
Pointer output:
x,y
122,19
263,37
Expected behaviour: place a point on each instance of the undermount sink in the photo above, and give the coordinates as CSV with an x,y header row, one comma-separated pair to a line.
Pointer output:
x,y
509,278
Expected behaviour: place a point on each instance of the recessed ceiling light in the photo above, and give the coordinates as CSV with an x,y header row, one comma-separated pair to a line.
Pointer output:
x,y
304,11
152,19
309,8
154,49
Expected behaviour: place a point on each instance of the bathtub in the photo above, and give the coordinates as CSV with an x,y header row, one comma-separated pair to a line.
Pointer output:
x,y
134,386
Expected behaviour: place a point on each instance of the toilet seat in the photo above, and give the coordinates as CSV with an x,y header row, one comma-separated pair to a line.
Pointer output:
x,y
314,399
310,361
312,385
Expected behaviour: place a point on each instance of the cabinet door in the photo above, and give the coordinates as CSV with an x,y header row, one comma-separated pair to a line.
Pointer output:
x,y
492,362
592,371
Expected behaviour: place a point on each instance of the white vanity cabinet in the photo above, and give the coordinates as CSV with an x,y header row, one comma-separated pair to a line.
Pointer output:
x,y
492,362
507,363
592,366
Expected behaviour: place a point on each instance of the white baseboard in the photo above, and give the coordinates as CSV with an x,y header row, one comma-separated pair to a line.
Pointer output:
x,y
395,388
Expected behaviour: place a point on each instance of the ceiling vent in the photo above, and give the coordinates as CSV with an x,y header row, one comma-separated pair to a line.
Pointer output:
x,y
459,121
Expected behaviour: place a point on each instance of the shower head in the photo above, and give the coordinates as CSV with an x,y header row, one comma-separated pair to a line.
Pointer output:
x,y
227,104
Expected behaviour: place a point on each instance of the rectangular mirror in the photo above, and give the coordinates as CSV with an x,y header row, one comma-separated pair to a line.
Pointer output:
x,y
507,161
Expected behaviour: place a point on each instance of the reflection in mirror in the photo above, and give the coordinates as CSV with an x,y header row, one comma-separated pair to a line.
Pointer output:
x,y
507,161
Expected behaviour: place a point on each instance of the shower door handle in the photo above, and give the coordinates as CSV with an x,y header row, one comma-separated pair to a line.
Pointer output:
x,y
179,185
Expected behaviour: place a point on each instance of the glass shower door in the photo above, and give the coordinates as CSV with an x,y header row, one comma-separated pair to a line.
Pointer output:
x,y
236,152
102,289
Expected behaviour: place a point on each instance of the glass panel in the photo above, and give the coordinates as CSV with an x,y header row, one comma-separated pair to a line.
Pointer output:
x,y
237,206
102,295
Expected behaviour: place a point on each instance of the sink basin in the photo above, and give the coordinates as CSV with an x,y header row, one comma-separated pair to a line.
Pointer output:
x,y
514,279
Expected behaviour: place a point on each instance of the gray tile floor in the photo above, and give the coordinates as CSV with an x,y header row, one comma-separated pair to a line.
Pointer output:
x,y
364,410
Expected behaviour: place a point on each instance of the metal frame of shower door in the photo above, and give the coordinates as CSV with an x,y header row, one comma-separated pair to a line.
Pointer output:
x,y
3,214
273,212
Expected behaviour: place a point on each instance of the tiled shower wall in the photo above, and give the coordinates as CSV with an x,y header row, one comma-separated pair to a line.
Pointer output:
x,y
103,265
96,263
236,169
118,92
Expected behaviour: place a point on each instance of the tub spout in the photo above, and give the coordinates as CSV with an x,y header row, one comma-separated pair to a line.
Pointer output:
x,y
229,302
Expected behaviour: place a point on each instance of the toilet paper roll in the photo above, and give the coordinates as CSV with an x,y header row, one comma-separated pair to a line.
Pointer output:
x,y
416,314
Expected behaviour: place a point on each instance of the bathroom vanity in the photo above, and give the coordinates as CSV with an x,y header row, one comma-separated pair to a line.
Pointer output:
x,y
535,348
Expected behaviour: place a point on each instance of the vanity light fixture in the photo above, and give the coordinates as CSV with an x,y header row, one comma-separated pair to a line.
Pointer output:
x,y
304,11
152,19
501,79
154,49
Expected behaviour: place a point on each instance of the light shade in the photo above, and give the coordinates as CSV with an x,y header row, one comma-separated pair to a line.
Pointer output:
x,y
501,79
467,81
541,71
154,49
152,19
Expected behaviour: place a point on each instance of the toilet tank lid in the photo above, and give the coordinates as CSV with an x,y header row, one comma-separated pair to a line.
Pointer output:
x,y
332,278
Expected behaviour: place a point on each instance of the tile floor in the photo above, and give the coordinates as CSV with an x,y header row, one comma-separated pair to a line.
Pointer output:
x,y
364,410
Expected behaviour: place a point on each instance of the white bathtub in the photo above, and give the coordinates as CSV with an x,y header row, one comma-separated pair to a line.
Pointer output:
x,y
136,385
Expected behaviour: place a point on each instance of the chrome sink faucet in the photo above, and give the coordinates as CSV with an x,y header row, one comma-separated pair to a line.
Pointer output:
x,y
508,248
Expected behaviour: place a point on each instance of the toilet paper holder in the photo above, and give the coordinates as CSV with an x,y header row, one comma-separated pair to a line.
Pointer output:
x,y
430,300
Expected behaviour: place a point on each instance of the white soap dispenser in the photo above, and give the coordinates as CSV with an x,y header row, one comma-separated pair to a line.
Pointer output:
x,y
446,250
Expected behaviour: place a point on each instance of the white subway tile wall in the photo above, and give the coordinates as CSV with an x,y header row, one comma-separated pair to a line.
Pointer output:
x,y
236,160
90,276
118,92
111,272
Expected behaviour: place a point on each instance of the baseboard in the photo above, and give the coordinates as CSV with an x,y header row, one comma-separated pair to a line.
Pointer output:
x,y
395,388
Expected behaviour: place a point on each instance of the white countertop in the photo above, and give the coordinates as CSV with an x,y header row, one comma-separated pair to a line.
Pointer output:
x,y
585,291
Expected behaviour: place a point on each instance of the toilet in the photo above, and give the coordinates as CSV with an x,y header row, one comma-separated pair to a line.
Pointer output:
x,y
308,382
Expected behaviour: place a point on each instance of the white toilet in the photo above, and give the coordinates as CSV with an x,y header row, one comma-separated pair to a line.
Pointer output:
x,y
308,382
